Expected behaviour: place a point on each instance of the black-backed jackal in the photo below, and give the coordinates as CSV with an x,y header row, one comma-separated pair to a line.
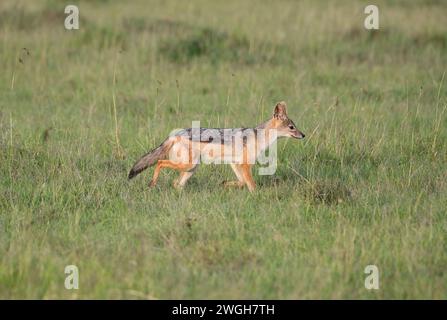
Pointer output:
x,y
240,147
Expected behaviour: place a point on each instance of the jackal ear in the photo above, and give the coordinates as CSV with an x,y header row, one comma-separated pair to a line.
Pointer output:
x,y
280,111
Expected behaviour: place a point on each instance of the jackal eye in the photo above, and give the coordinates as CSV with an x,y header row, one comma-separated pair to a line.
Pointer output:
x,y
291,127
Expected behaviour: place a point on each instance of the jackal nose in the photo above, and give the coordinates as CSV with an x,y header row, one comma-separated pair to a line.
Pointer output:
x,y
303,135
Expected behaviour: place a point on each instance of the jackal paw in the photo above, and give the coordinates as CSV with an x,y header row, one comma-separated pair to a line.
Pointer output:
x,y
152,184
237,184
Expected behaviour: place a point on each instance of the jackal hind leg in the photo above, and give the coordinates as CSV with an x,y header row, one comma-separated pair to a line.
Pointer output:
x,y
154,179
180,182
172,165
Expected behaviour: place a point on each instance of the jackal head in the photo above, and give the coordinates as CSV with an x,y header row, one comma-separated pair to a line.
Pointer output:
x,y
284,126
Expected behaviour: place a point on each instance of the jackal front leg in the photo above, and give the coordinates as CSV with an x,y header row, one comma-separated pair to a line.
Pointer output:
x,y
238,172
248,178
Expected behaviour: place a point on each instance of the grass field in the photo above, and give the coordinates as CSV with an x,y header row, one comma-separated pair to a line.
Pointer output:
x,y
368,185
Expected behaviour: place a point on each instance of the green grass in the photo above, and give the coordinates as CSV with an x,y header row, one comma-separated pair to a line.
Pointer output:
x,y
366,186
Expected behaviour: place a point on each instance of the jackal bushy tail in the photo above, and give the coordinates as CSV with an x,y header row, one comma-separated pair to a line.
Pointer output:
x,y
151,158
